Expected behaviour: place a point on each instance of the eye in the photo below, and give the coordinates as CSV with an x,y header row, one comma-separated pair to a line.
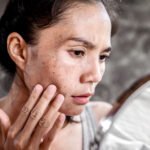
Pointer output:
x,y
78,52
103,58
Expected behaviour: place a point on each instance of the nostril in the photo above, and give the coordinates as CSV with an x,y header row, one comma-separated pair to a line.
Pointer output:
x,y
91,77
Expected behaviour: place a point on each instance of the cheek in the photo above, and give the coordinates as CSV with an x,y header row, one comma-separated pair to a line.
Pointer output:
x,y
62,73
102,68
38,71
65,77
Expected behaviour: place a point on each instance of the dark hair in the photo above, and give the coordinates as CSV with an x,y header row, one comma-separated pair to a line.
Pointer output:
x,y
27,16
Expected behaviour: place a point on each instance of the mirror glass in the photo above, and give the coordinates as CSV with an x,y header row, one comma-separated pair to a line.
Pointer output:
x,y
128,127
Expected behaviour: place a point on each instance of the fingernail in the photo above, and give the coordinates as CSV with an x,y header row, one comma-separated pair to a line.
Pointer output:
x,y
62,117
38,87
60,98
51,88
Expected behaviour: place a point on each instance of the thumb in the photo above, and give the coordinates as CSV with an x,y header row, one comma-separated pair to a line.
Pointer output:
x,y
4,125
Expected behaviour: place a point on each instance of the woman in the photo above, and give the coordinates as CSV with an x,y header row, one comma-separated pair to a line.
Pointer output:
x,y
56,51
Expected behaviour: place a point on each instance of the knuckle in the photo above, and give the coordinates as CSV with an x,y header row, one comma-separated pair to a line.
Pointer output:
x,y
34,95
25,110
34,114
44,123
46,95
55,105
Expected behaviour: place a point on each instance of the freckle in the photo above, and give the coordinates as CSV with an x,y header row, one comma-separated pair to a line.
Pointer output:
x,y
43,63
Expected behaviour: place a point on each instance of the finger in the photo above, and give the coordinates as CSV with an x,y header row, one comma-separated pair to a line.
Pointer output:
x,y
4,124
52,133
36,138
21,119
47,121
35,115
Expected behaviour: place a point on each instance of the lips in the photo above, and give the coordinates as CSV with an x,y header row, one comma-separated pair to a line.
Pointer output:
x,y
82,99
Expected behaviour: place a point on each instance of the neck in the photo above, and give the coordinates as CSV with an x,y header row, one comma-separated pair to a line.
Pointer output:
x,y
16,98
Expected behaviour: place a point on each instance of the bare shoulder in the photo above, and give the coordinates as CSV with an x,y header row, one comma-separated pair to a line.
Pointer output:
x,y
100,109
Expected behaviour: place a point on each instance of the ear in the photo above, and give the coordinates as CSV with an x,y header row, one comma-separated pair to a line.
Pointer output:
x,y
17,49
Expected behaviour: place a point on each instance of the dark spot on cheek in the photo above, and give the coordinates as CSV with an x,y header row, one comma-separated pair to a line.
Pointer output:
x,y
44,63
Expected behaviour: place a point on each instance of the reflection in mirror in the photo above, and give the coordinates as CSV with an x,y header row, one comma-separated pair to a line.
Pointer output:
x,y
127,127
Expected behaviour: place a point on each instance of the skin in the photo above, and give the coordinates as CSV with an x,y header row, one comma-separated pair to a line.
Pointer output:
x,y
63,61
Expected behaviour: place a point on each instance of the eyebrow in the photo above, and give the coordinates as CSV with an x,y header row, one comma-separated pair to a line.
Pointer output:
x,y
88,44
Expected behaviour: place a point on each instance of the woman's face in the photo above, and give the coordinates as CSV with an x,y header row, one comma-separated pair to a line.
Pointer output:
x,y
71,55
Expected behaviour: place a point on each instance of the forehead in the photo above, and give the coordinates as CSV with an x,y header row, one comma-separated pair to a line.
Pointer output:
x,y
90,10
90,21
86,12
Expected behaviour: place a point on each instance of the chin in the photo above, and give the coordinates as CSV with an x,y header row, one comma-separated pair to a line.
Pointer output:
x,y
72,111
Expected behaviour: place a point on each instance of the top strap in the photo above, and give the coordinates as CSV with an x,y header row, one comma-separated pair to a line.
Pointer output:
x,y
89,126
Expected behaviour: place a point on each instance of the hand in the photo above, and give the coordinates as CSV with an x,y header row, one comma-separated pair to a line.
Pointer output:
x,y
37,124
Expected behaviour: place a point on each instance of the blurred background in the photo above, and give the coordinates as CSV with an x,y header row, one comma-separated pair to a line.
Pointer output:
x,y
130,59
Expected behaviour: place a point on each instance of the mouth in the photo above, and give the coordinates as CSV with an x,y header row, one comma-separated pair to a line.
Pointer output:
x,y
82,99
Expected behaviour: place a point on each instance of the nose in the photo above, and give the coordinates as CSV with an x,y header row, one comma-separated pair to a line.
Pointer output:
x,y
93,72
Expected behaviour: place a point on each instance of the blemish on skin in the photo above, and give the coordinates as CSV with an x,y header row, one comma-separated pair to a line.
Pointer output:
x,y
43,63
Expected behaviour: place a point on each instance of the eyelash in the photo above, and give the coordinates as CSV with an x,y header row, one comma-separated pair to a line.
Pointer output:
x,y
80,53
104,57
77,53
